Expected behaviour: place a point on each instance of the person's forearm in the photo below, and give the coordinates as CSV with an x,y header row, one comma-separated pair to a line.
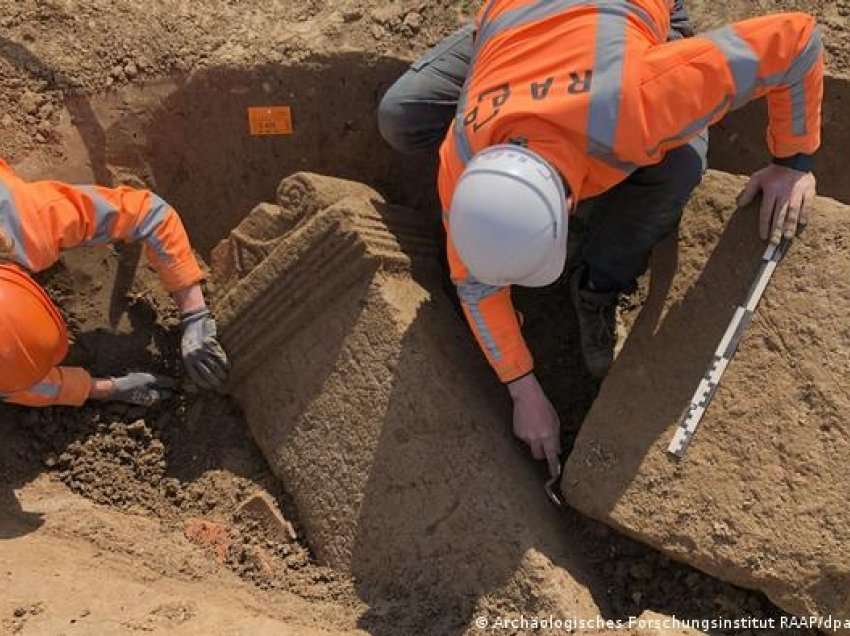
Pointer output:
x,y
63,386
523,386
190,299
101,388
494,322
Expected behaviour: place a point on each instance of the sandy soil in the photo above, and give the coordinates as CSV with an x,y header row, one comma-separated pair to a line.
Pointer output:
x,y
773,444
82,87
78,568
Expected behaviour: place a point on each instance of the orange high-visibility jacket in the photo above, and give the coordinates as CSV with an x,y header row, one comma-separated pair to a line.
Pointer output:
x,y
594,88
38,220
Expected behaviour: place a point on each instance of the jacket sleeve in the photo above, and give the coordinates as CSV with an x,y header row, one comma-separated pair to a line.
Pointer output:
x,y
68,216
690,84
493,320
63,386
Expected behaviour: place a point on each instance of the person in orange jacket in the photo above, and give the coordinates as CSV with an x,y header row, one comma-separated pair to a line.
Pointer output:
x,y
37,222
556,107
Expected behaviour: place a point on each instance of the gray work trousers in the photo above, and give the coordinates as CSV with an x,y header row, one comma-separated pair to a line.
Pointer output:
x,y
623,224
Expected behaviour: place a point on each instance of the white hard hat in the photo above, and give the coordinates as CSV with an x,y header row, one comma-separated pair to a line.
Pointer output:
x,y
508,218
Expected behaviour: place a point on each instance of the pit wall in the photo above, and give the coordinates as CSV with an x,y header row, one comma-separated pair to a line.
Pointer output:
x,y
187,137
738,142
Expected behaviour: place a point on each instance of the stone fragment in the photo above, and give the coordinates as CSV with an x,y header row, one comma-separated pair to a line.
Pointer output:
x,y
413,20
760,498
262,508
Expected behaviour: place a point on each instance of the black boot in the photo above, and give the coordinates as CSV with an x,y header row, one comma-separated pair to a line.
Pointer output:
x,y
597,321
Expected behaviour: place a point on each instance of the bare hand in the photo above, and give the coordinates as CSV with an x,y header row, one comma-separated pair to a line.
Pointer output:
x,y
535,421
786,197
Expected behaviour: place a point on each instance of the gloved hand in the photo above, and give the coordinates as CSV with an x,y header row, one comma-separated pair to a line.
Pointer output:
x,y
203,356
141,389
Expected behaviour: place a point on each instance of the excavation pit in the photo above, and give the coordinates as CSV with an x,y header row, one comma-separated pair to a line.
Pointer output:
x,y
188,139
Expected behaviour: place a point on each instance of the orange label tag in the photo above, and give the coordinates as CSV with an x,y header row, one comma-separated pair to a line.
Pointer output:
x,y
270,120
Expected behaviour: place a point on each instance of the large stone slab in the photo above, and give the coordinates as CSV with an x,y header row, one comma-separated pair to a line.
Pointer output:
x,y
761,497
373,406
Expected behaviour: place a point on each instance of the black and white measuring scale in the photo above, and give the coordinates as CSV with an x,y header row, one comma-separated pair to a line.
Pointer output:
x,y
710,382
692,416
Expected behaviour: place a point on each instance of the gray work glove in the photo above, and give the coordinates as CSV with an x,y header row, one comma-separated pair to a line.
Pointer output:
x,y
141,389
203,356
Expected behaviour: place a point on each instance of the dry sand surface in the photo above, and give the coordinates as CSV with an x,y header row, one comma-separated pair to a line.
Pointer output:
x,y
759,498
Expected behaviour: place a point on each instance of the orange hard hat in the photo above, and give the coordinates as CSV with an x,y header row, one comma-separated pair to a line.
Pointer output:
x,y
33,335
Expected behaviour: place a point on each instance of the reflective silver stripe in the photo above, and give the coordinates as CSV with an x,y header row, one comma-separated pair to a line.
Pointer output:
x,y
606,94
10,226
158,248
471,293
794,78
153,219
798,109
464,149
159,211
45,390
485,17
742,61
801,66
104,214
541,10
547,8
521,16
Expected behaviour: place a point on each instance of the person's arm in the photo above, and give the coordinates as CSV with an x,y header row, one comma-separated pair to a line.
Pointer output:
x,y
51,216
72,386
57,216
63,386
128,215
491,315
124,214
690,84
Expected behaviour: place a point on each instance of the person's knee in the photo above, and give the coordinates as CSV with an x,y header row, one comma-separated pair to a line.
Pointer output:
x,y
409,119
394,120
688,165
414,115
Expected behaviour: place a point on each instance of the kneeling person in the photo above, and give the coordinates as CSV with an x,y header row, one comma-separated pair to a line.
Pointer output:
x,y
37,222
582,106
